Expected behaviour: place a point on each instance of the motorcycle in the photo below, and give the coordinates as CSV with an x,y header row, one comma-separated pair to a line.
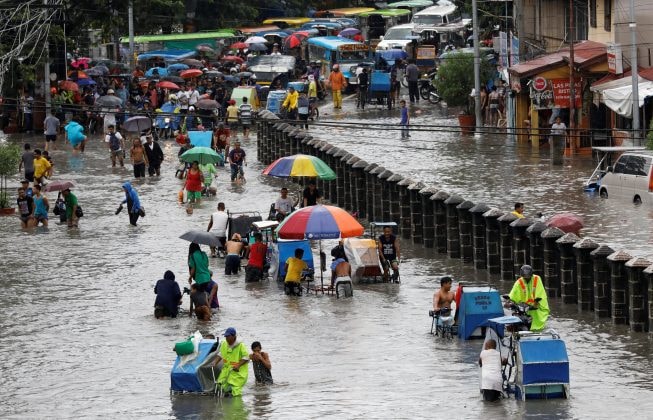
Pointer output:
x,y
427,89
520,310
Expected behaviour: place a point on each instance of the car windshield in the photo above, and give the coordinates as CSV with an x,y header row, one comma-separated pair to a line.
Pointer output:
x,y
398,33
352,55
427,19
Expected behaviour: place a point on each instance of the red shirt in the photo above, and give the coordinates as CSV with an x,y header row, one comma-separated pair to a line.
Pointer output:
x,y
257,254
193,180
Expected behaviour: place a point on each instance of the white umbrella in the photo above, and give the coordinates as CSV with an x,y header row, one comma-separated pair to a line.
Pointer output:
x,y
256,40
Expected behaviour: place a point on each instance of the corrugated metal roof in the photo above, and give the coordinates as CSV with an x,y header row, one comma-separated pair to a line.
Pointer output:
x,y
585,54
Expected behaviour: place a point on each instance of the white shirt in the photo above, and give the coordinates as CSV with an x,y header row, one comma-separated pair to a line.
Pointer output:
x,y
558,129
283,204
491,370
219,227
193,97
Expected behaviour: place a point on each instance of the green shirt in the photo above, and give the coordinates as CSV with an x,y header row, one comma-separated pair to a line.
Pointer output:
x,y
71,201
200,262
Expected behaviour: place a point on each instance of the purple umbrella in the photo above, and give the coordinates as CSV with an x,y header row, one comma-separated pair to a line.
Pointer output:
x,y
349,32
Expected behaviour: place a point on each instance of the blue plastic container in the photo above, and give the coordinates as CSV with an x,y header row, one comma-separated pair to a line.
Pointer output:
x,y
542,368
274,101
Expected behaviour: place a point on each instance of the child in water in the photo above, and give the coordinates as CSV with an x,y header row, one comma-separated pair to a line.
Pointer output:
x,y
491,378
261,364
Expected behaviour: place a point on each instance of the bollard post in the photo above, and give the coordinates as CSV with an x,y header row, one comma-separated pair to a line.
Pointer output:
x,y
305,148
648,275
321,149
417,231
520,244
619,286
296,143
395,199
358,195
404,208
552,261
276,140
465,231
369,191
346,181
493,240
568,281
478,235
453,226
440,220
386,194
287,140
377,189
340,177
585,273
637,294
602,283
505,246
428,216
282,143
536,247
331,161
350,187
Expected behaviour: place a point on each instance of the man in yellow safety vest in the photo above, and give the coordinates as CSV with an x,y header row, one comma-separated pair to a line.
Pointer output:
x,y
527,289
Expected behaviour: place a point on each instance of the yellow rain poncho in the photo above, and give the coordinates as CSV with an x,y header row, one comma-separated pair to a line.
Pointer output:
x,y
233,380
526,292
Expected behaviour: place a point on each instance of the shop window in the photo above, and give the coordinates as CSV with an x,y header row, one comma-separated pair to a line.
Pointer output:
x,y
592,11
607,15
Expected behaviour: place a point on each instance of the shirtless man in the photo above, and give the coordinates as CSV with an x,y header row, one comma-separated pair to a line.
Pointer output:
x,y
340,269
234,249
443,297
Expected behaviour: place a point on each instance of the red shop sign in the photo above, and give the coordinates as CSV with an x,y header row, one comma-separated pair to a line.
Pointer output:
x,y
561,92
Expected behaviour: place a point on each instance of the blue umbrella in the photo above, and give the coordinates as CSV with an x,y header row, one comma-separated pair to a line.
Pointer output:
x,y
85,82
161,70
200,138
178,67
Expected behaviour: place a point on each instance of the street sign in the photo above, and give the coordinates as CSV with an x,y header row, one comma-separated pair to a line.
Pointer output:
x,y
539,83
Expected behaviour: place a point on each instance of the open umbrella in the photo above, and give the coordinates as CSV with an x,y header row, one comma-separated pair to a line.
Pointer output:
x,y
201,237
192,62
97,71
168,85
567,222
214,73
177,67
349,32
173,79
294,40
85,82
58,186
69,85
238,46
156,71
256,40
300,166
257,47
207,104
137,124
244,74
189,74
108,101
205,48
319,222
233,59
202,155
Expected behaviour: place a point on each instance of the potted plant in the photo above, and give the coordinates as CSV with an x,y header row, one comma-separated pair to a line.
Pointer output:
x,y
9,159
455,83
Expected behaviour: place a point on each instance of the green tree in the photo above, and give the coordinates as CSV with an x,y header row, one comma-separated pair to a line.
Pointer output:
x,y
456,79
9,159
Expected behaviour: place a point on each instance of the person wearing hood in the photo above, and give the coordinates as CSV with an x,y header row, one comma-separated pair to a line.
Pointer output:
x,y
75,135
168,296
235,357
134,208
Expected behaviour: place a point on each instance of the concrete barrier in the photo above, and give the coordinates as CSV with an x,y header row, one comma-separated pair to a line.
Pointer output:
x,y
395,198
637,294
465,229
453,225
505,246
440,216
404,207
493,240
520,243
417,229
585,273
478,235
428,215
536,246
552,261
602,279
648,275
619,286
568,280
386,194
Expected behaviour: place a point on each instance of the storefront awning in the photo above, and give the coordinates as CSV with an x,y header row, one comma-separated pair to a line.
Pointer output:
x,y
620,99
613,84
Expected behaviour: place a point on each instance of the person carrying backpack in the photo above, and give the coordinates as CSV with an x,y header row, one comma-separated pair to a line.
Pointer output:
x,y
116,146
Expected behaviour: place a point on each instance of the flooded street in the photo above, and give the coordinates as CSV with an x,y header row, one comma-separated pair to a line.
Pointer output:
x,y
78,338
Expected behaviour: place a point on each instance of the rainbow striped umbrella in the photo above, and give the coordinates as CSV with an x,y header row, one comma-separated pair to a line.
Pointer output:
x,y
300,166
319,222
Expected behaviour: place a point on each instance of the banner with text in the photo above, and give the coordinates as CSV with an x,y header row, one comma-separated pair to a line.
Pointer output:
x,y
561,92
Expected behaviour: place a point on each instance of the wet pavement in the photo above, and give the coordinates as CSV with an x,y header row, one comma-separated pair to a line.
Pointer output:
x,y
78,338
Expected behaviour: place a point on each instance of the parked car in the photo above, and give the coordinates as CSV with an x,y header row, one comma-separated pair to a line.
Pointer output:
x,y
631,178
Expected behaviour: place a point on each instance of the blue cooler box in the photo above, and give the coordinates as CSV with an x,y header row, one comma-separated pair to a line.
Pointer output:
x,y
274,101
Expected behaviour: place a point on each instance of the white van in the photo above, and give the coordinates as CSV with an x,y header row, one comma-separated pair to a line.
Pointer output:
x,y
399,36
630,179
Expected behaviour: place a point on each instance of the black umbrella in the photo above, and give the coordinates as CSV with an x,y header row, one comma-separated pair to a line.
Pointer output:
x,y
174,79
201,237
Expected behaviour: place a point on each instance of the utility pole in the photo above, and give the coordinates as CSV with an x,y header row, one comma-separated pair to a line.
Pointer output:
x,y
477,68
131,34
572,87
46,74
634,73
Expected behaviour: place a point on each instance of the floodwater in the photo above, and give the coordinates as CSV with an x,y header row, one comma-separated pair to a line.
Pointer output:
x,y
78,338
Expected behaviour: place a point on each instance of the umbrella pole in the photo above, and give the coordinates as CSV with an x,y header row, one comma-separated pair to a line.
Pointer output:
x,y
321,272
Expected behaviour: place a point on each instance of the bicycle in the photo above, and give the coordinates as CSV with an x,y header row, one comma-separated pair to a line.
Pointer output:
x,y
442,323
313,110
